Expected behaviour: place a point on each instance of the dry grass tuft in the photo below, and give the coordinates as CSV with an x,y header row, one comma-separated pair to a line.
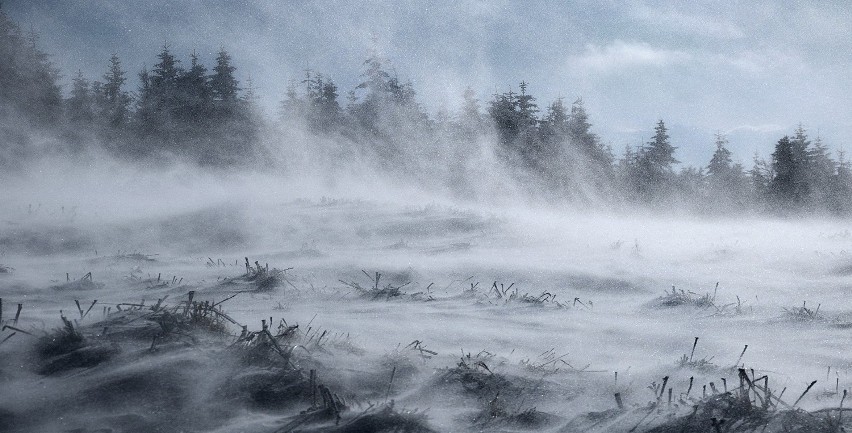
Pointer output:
x,y
804,314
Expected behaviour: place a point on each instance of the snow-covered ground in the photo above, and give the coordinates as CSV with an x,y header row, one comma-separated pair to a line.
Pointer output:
x,y
484,318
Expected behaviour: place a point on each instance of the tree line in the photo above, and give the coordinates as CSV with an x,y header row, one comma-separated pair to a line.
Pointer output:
x,y
186,111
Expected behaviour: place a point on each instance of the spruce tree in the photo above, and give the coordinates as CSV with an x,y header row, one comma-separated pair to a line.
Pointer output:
x,y
115,101
223,84
784,186
659,152
720,164
195,98
79,109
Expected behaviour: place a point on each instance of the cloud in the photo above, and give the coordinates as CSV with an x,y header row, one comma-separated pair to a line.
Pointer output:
x,y
620,55
763,128
761,62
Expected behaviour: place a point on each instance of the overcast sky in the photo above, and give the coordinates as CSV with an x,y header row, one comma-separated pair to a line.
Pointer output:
x,y
752,70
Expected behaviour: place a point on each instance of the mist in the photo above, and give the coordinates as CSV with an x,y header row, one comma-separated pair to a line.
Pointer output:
x,y
275,222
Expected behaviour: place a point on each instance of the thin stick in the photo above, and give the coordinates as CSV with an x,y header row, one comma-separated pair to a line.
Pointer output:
x,y
803,394
393,373
90,308
693,349
741,356
228,298
618,401
15,333
18,314
663,388
691,378
16,329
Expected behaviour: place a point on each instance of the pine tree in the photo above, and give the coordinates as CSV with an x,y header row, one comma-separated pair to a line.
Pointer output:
x,y
720,164
115,102
79,106
653,175
293,107
163,98
599,156
527,109
503,110
659,152
820,171
841,186
146,105
194,93
164,80
581,129
28,80
727,182
223,85
785,166
322,111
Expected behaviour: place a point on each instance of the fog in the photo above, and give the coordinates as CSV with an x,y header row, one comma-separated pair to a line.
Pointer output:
x,y
489,265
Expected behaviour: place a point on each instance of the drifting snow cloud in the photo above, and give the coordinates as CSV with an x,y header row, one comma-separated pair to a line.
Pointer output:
x,y
619,55
763,61
764,128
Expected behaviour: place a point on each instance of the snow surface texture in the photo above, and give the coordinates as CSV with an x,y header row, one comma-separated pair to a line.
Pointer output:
x,y
413,315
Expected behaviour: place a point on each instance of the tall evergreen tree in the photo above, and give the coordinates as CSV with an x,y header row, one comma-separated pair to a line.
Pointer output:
x,y
195,95
160,91
322,111
786,186
146,105
653,175
293,107
223,83
79,109
820,171
114,102
164,79
28,80
599,157
660,153
840,201
727,182
720,164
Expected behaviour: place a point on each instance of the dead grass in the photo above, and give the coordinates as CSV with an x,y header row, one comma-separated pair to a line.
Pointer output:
x,y
804,314
87,282
376,291
680,298
751,406
259,278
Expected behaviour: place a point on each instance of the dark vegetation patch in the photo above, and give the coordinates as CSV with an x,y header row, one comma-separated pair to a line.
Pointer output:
x,y
753,405
257,278
86,282
161,361
501,400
